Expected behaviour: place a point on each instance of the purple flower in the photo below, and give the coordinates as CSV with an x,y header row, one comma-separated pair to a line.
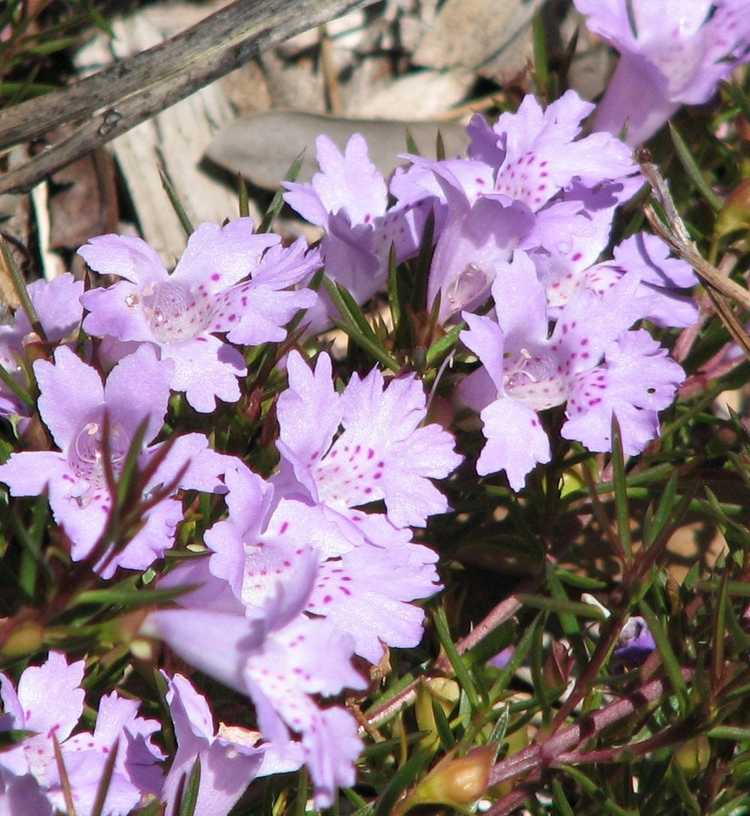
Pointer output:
x,y
229,760
180,313
529,182
381,451
569,267
280,658
590,363
22,794
670,55
635,643
49,701
73,403
349,199
58,307
475,241
361,587
542,156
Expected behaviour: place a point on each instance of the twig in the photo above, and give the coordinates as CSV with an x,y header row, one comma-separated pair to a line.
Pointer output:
x,y
130,91
675,233
569,738
497,616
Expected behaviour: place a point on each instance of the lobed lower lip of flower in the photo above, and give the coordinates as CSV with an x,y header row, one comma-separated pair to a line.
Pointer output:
x,y
86,454
175,311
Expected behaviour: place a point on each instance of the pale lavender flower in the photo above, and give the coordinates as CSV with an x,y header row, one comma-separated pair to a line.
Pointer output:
x,y
57,304
361,587
543,156
136,770
568,266
477,238
229,759
181,313
22,795
49,701
672,53
528,169
73,403
381,452
281,659
590,364
349,199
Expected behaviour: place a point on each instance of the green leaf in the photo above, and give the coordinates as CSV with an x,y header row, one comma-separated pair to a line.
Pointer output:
x,y
463,675
595,790
422,264
411,146
277,202
561,801
174,200
489,646
519,655
541,57
620,485
579,581
444,345
243,203
10,739
669,659
683,790
663,512
400,781
691,168
443,726
348,308
130,598
189,797
300,800
581,610
394,290
369,346
12,385
719,632
129,470
440,147
19,285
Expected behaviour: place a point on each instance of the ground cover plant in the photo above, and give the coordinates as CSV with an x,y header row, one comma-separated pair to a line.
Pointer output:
x,y
248,569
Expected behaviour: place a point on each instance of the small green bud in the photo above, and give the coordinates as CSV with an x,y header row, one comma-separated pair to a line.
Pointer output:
x,y
735,214
24,639
693,755
453,782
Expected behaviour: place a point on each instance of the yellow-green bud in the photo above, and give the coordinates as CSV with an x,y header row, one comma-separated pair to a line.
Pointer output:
x,y
734,216
453,782
24,639
693,755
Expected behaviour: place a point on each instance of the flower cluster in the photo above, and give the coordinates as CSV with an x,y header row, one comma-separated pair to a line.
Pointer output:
x,y
525,218
312,549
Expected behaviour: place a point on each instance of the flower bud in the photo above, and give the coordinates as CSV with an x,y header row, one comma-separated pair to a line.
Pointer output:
x,y
34,347
735,214
557,667
693,755
453,782
24,639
